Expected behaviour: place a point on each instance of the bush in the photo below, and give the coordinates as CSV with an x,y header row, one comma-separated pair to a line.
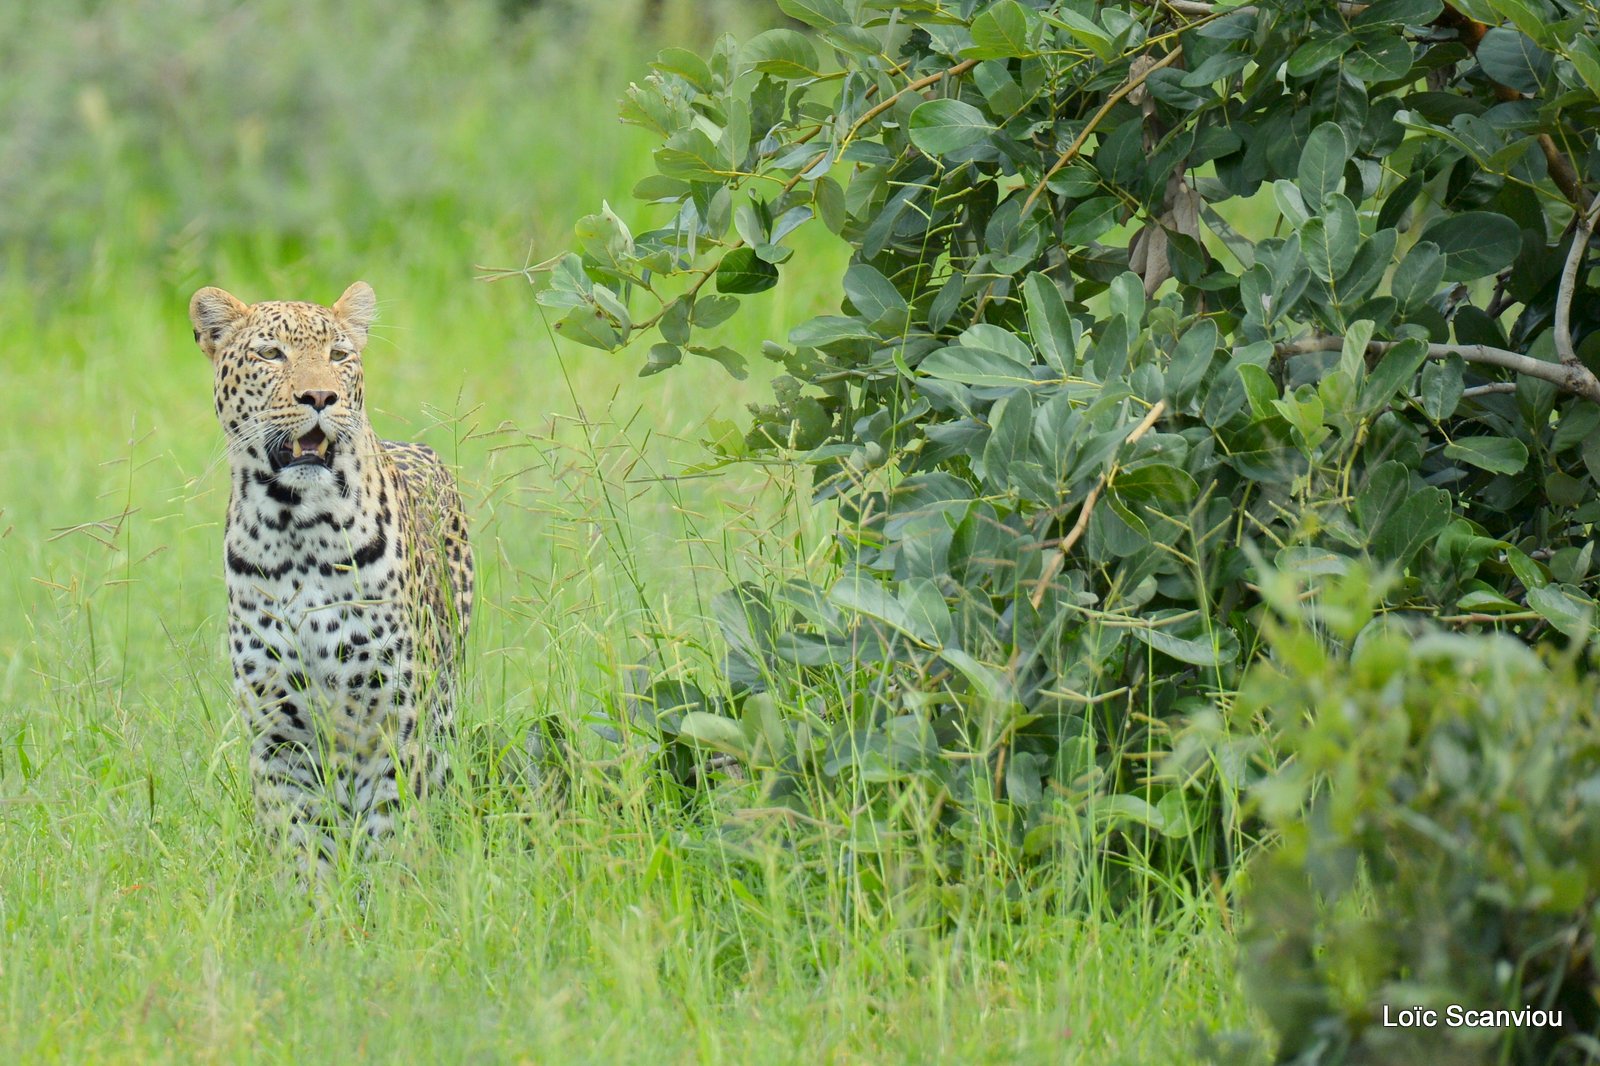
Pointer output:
x,y
1131,287
1439,829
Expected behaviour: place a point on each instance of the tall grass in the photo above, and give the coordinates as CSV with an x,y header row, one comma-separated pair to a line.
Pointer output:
x,y
282,150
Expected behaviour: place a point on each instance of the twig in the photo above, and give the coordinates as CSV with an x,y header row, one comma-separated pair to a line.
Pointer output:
x,y
1484,618
1582,229
1560,168
699,283
878,109
1491,389
1501,298
1078,142
916,86
1059,559
1570,377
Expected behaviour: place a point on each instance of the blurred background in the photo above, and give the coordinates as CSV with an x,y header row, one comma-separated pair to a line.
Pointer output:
x,y
183,137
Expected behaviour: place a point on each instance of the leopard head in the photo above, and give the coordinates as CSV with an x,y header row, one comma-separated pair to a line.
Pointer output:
x,y
288,380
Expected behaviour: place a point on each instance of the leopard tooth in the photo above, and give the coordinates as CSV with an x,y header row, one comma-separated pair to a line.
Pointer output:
x,y
322,448
297,448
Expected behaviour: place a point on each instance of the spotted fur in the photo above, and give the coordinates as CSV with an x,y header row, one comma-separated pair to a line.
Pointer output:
x,y
349,575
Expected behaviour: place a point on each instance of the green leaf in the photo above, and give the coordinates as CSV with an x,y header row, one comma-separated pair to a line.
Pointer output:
x,y
1189,644
1318,53
604,237
1049,325
1511,58
819,13
731,361
1442,387
1584,55
975,366
1330,239
1488,602
1010,423
588,325
875,298
1000,90
1579,421
1176,822
661,357
659,187
828,196
1191,359
1024,774
939,127
742,271
1475,243
715,732
988,681
1500,455
1418,276
1564,607
1127,298
691,155
1083,30
1128,808
1090,219
927,610
1259,389
1011,241
1530,573
863,595
710,311
786,54
1398,13
1156,483
1000,32
1322,164
686,65
1419,518
1394,373
826,330
1379,57
1353,352
675,320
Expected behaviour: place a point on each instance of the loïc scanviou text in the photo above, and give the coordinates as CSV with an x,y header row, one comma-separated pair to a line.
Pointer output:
x,y
1456,1016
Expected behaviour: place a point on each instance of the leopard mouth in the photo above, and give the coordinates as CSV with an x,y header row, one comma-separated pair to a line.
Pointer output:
x,y
313,449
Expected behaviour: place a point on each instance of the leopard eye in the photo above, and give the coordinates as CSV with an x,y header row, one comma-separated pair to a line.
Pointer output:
x,y
271,353
339,355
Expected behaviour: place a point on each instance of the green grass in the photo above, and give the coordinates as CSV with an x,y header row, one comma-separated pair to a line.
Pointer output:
x,y
141,920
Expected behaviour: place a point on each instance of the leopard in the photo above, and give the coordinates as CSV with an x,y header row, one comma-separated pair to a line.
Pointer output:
x,y
349,577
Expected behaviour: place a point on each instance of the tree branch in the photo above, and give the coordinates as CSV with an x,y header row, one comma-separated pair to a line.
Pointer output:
x,y
1058,559
916,86
1583,227
1569,377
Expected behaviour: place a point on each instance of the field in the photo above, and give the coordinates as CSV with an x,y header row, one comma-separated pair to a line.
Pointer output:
x,y
151,149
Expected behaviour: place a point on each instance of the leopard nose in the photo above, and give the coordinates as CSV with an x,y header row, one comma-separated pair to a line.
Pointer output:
x,y
317,399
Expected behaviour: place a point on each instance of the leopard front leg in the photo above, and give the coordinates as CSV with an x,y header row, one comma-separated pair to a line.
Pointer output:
x,y
294,805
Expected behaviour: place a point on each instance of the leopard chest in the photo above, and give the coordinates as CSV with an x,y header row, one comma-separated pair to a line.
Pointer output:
x,y
322,642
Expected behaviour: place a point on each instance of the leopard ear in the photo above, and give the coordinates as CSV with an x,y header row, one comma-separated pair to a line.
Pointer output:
x,y
357,308
213,313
